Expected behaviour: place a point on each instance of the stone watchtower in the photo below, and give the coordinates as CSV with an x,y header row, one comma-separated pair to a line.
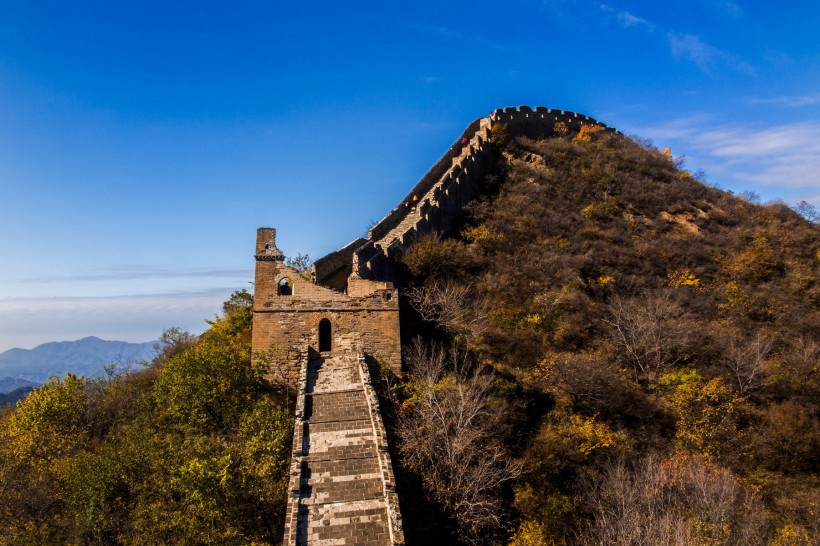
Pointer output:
x,y
294,316
348,302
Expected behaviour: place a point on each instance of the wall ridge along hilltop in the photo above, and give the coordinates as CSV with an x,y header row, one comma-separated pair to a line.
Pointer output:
x,y
438,199
321,333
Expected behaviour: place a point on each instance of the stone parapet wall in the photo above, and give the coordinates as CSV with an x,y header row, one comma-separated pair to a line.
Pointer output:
x,y
438,199
297,452
383,226
334,269
538,122
385,464
433,204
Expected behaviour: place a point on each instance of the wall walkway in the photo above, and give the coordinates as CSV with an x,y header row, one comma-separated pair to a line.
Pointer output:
x,y
342,489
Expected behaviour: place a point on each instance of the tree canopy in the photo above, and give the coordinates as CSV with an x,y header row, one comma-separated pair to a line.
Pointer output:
x,y
193,449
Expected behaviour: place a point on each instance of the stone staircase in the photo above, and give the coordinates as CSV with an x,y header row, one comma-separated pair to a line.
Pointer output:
x,y
342,489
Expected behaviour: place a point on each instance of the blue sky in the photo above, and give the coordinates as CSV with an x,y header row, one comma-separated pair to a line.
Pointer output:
x,y
142,143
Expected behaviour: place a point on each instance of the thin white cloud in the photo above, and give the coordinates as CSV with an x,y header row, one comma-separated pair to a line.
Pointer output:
x,y
134,281
141,273
625,18
791,101
629,20
27,322
691,47
707,58
777,58
724,8
785,156
730,8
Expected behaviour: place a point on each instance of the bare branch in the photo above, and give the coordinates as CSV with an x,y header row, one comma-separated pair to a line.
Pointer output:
x,y
652,332
679,501
450,305
447,434
745,358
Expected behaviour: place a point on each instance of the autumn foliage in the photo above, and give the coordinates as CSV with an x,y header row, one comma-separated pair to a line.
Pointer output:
x,y
672,329
190,449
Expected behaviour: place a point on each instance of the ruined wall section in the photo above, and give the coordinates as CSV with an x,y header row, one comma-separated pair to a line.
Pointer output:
x,y
286,325
334,269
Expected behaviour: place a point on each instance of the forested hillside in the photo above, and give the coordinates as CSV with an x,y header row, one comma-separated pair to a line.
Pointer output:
x,y
605,351
192,449
625,355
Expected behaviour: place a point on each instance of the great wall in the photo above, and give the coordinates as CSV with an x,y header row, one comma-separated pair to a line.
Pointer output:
x,y
326,334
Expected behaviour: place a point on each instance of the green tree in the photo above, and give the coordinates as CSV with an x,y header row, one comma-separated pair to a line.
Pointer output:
x,y
207,386
301,264
51,421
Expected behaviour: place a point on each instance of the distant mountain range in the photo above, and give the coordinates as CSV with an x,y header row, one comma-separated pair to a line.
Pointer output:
x,y
87,356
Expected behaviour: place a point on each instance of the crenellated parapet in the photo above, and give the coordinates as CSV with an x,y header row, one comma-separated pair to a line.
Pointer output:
x,y
433,176
539,121
438,199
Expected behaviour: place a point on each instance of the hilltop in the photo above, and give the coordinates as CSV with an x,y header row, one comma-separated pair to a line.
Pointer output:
x,y
644,330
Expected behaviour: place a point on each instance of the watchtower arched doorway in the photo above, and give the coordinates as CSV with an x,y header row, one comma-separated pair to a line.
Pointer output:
x,y
324,336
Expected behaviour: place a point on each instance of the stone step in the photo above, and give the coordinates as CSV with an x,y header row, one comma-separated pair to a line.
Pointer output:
x,y
328,435
328,491
341,406
349,466
342,379
343,453
362,523
326,478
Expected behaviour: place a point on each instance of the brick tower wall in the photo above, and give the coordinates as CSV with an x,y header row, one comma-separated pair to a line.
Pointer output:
x,y
287,326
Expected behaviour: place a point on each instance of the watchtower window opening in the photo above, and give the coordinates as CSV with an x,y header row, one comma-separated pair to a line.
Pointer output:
x,y
324,336
285,288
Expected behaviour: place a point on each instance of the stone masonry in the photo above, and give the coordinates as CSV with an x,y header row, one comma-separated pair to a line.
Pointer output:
x,y
438,199
342,489
317,331
288,310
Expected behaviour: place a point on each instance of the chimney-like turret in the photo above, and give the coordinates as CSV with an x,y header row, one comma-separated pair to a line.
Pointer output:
x,y
266,245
